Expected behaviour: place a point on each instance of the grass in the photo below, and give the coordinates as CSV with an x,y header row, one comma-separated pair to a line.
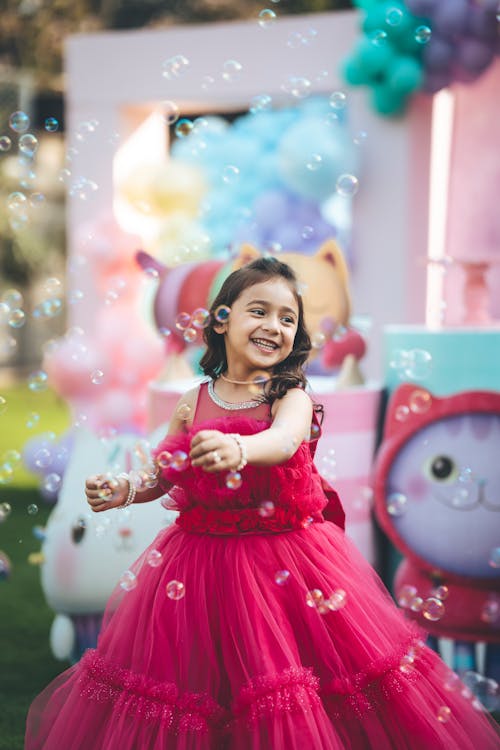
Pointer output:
x,y
26,663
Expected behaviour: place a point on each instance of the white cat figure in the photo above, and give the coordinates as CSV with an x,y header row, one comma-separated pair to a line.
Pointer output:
x,y
86,553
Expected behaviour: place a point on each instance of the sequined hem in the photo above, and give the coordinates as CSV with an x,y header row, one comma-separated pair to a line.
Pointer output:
x,y
369,689
228,405
143,697
294,689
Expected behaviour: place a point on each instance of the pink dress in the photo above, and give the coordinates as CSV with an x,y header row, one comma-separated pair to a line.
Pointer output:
x,y
263,628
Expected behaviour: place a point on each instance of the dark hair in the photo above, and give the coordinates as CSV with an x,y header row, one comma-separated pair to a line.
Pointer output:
x,y
287,374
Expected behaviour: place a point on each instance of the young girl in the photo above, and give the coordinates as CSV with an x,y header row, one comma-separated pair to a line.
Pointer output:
x,y
254,624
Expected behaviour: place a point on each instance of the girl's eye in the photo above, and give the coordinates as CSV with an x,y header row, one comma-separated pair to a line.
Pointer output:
x,y
258,311
288,320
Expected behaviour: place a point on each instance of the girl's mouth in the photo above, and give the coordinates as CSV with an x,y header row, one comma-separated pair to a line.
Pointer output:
x,y
265,345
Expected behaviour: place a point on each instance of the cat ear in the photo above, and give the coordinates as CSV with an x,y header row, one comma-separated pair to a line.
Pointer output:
x,y
331,253
247,254
409,406
147,262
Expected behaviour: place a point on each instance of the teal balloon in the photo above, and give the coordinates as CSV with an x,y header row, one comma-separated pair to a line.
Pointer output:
x,y
406,76
386,101
354,73
374,59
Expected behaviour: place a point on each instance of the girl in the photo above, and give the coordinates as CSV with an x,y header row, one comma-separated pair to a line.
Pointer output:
x,y
254,624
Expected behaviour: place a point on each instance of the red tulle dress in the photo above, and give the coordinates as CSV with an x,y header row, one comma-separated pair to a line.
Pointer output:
x,y
263,628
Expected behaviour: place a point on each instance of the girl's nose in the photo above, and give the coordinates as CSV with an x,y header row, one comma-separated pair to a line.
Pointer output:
x,y
271,324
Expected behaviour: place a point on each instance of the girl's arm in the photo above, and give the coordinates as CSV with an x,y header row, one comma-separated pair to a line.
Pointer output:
x,y
291,425
97,488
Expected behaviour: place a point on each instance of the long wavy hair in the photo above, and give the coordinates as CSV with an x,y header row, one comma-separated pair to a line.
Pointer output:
x,y
287,374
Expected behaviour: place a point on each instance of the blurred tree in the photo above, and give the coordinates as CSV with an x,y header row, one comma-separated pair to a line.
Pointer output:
x,y
32,32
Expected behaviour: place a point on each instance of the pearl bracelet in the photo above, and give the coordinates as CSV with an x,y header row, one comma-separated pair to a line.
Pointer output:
x,y
132,492
243,451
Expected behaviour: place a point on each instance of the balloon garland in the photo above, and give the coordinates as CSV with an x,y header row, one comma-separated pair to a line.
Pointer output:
x,y
421,45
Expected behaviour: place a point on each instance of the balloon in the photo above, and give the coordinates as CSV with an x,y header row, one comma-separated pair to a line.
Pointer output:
x,y
437,54
406,76
474,56
450,17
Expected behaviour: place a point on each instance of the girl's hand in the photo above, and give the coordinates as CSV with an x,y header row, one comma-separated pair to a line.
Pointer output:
x,y
104,493
214,451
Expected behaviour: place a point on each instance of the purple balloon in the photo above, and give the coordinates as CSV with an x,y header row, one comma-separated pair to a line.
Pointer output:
x,y
436,80
437,55
474,56
271,208
482,21
421,7
450,17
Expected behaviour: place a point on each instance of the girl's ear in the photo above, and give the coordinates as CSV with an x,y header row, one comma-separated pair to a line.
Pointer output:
x,y
220,327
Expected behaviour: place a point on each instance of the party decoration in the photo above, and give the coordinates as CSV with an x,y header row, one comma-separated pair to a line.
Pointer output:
x,y
420,45
436,494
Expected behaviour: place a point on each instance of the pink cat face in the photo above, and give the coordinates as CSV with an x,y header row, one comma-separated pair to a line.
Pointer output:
x,y
438,486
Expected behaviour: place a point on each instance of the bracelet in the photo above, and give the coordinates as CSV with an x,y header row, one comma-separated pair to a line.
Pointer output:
x,y
132,492
243,451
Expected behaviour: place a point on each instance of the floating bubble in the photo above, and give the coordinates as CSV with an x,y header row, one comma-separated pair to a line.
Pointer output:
x,y
231,70
420,401
128,581
314,598
52,482
266,509
175,590
184,412
418,365
298,86
440,592
318,340
28,144
230,174
433,609
394,16
5,511
207,82
38,381
233,480
51,124
6,473
452,682
174,67
347,184
36,199
423,34
190,335
221,314
406,595
260,103
296,40
397,504
16,201
182,321
401,413
180,460
42,458
5,143
183,128
378,37
5,566
314,162
165,332
39,533
17,318
50,308
337,600
462,497
32,509
258,382
154,558
170,112
267,18
444,714
315,431
282,577
416,604
19,122
164,459
200,318
307,232
97,377
494,560
338,100
360,138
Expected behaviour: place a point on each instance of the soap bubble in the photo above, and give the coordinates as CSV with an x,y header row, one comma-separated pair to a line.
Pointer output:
x,y
154,558
314,598
5,511
401,413
28,144
97,377
347,184
175,590
19,122
182,321
298,86
423,34
164,459
183,128
494,560
17,318
420,401
190,335
231,70
282,577
3,405
221,314
200,318
266,509
393,16
184,412
338,100
490,612
16,201
440,592
267,18
174,67
5,143
32,509
418,365
260,103
233,480
170,112
38,381
51,124
230,174
128,581
318,340
180,460
433,609
397,504
52,483
406,595
444,714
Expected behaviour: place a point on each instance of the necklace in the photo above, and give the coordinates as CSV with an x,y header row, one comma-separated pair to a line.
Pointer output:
x,y
257,381
230,405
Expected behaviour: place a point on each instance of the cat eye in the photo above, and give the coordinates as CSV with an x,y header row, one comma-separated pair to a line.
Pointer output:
x,y
441,468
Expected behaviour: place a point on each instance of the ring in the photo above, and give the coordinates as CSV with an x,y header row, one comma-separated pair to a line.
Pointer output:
x,y
216,458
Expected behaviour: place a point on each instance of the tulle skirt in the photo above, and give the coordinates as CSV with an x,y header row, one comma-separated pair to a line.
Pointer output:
x,y
284,641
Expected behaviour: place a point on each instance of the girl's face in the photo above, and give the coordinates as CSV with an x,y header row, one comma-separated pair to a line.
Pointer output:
x,y
261,328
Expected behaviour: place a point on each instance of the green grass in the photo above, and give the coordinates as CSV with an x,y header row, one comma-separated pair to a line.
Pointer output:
x,y
26,663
